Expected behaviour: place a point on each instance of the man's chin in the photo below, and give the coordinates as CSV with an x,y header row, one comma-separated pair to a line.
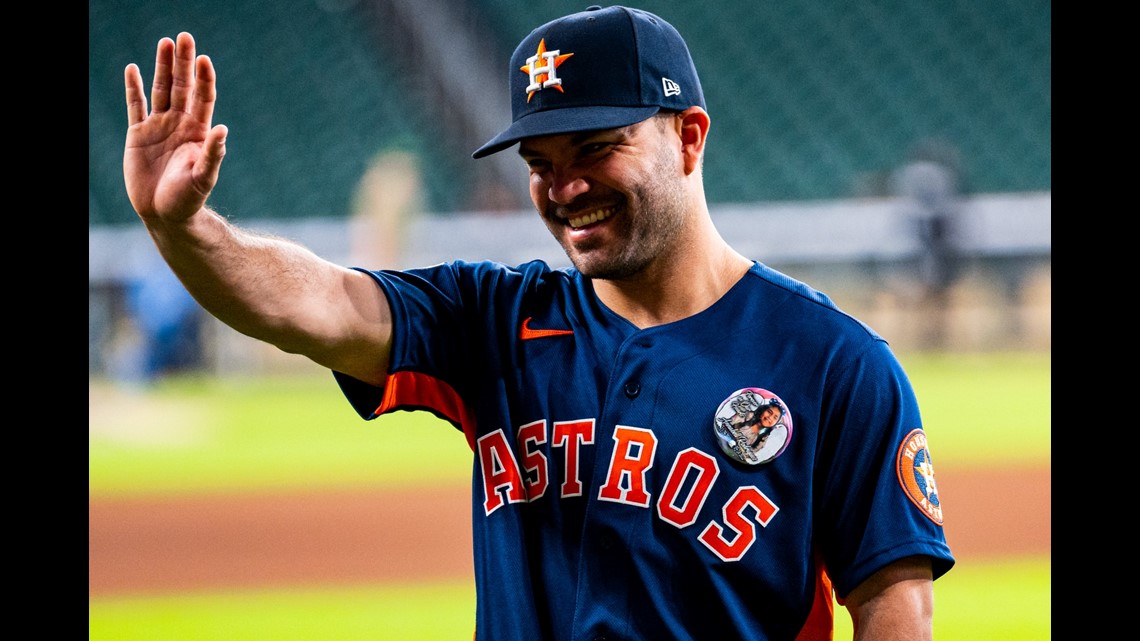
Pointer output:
x,y
603,269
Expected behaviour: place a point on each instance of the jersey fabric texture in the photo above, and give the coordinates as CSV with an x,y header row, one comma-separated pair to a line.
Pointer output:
x,y
605,501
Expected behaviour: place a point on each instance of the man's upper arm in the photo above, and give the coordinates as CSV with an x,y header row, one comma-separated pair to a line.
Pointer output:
x,y
894,603
364,349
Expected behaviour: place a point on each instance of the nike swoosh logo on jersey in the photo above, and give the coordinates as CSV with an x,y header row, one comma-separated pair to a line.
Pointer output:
x,y
526,333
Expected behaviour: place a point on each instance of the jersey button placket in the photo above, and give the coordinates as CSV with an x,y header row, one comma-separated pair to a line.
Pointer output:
x,y
606,541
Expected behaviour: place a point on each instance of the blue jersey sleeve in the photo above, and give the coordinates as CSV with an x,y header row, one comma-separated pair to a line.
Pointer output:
x,y
453,330
879,502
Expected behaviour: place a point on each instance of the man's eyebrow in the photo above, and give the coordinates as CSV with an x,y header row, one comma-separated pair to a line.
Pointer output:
x,y
575,140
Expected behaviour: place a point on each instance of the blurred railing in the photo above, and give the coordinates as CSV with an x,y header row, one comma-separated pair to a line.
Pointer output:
x,y
867,254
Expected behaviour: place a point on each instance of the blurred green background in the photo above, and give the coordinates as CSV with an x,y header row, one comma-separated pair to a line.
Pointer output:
x,y
810,99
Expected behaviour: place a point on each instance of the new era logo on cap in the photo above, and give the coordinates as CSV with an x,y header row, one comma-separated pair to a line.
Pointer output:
x,y
596,69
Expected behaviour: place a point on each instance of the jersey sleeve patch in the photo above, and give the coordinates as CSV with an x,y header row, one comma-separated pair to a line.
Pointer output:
x,y
916,475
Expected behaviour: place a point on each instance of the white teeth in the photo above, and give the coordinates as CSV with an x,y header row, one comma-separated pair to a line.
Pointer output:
x,y
592,217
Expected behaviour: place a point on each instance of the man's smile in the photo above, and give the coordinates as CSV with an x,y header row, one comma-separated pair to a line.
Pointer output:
x,y
591,217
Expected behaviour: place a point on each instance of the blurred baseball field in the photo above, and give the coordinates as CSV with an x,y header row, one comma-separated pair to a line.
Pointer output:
x,y
189,441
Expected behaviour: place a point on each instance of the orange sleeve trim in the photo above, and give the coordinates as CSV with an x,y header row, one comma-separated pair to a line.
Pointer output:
x,y
420,390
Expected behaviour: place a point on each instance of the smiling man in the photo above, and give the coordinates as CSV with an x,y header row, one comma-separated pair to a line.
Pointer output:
x,y
612,498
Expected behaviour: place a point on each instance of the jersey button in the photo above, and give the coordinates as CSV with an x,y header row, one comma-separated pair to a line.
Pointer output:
x,y
632,390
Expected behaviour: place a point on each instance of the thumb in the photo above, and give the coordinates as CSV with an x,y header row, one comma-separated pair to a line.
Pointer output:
x,y
210,163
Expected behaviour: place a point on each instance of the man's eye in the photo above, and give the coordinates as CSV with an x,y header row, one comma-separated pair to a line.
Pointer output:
x,y
594,147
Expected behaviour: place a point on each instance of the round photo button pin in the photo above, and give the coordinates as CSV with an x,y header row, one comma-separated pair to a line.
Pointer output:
x,y
753,426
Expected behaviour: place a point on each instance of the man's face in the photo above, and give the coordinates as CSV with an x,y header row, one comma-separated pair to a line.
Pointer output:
x,y
614,198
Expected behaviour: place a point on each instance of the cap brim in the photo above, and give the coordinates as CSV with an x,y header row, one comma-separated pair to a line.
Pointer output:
x,y
564,121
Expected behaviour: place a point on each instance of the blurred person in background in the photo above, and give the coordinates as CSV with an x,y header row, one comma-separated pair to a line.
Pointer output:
x,y
162,332
930,185
604,505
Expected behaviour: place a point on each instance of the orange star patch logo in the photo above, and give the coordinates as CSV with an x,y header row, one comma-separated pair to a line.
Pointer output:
x,y
542,69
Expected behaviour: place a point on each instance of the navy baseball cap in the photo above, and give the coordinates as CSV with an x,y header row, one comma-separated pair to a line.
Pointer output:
x,y
596,69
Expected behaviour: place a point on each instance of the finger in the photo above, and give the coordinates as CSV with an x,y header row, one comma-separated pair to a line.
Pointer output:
x,y
205,91
210,163
160,87
136,99
183,81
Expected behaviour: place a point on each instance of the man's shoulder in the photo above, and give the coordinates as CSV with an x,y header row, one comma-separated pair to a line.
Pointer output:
x,y
503,279
808,308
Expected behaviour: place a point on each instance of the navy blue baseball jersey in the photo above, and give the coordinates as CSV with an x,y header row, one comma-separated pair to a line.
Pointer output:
x,y
711,478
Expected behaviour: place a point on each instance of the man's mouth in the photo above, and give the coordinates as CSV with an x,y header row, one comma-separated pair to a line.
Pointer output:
x,y
591,218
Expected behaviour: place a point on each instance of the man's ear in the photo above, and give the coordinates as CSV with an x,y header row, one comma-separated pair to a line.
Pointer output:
x,y
694,129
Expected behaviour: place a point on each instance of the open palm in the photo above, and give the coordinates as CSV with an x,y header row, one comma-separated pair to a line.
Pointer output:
x,y
173,153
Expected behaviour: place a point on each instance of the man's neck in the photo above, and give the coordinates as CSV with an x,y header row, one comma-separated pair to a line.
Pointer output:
x,y
676,287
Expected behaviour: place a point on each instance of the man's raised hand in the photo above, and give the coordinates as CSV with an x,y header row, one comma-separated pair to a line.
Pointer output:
x,y
173,153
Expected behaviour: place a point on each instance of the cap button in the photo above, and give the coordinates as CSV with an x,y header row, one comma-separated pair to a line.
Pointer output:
x,y
593,7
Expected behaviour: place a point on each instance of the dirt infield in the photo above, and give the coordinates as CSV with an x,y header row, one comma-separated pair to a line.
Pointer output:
x,y
230,542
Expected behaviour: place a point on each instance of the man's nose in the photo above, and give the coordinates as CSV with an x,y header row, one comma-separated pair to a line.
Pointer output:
x,y
567,185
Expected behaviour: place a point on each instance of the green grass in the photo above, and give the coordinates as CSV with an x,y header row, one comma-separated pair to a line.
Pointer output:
x,y
982,409
237,435
1003,600
406,613
195,434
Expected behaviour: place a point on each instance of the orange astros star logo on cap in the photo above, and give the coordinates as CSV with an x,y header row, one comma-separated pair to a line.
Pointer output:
x,y
542,68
